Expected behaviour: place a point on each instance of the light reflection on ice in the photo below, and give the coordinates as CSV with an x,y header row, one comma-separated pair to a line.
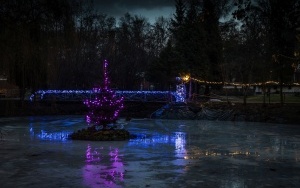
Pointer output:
x,y
234,183
104,167
180,151
196,153
220,154
180,143
177,139
47,135
53,136
52,128
92,155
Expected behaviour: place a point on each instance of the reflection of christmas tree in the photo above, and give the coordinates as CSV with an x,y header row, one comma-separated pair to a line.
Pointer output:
x,y
105,107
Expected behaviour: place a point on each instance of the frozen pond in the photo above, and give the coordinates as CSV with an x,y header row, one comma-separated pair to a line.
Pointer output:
x,y
35,152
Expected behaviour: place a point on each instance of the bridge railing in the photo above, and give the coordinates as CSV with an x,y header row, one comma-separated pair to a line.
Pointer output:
x,y
80,95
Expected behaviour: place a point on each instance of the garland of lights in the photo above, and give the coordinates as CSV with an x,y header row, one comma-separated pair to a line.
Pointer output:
x,y
179,95
241,84
42,93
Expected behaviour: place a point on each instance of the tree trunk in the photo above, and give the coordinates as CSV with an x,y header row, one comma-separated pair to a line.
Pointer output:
x,y
22,96
245,88
206,92
281,93
264,94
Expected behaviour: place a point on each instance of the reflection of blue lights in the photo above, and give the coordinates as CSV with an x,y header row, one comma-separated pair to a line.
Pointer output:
x,y
31,131
178,139
147,141
180,142
53,136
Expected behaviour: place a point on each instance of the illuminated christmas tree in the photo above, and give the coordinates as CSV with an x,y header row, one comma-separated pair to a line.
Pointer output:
x,y
104,108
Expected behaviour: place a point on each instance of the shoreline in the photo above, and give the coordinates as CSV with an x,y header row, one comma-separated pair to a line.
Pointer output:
x,y
253,112
288,113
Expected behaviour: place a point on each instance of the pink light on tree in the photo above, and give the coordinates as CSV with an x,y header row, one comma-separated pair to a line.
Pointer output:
x,y
104,108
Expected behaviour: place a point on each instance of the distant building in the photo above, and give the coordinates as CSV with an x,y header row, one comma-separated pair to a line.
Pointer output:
x,y
7,90
293,89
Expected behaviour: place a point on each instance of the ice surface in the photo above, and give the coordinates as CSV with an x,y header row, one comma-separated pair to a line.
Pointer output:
x,y
36,152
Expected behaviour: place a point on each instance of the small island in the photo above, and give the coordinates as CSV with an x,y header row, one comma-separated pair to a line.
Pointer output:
x,y
103,114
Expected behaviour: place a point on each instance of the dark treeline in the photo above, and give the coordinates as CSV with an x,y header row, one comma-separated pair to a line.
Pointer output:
x,y
60,44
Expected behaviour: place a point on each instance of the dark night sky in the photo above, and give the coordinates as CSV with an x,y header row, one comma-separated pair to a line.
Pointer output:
x,y
150,9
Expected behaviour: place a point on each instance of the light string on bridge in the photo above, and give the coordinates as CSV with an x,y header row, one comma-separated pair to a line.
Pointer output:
x,y
179,97
242,84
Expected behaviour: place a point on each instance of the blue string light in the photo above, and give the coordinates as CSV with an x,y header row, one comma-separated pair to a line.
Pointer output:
x,y
179,95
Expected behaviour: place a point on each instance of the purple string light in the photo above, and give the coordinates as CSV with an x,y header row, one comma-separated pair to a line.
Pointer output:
x,y
105,107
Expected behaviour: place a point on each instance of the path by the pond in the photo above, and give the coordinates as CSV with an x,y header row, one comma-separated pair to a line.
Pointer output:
x,y
35,152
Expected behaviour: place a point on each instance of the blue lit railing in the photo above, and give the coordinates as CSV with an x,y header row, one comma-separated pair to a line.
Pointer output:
x,y
77,95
